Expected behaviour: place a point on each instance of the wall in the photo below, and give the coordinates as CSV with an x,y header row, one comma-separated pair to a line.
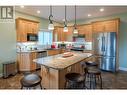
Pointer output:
x,y
122,35
8,37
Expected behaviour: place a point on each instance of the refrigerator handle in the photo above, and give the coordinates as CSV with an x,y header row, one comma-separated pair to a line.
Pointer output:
x,y
102,47
104,44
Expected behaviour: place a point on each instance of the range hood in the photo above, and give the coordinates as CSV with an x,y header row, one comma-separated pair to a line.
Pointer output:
x,y
78,36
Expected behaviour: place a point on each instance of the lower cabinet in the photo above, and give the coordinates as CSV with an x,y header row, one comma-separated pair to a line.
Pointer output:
x,y
25,61
54,52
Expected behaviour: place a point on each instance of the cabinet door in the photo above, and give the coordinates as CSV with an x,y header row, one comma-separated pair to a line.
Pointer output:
x,y
69,34
33,64
59,34
23,31
98,27
88,33
23,61
63,35
34,28
81,30
55,34
110,26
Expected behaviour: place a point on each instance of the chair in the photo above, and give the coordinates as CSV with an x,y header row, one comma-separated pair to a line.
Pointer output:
x,y
93,73
74,81
31,80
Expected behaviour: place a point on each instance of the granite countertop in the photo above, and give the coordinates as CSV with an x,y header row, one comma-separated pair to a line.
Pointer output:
x,y
39,50
59,62
30,51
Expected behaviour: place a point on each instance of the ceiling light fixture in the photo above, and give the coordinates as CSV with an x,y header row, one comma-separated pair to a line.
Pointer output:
x,y
89,15
65,23
75,31
38,12
51,26
21,6
102,9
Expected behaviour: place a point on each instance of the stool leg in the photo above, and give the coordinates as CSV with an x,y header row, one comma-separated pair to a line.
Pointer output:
x,y
90,80
21,87
95,82
101,81
65,85
40,86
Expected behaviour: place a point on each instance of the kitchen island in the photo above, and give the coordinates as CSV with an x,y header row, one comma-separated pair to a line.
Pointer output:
x,y
54,68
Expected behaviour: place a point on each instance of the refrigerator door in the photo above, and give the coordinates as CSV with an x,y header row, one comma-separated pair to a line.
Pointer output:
x,y
98,44
109,44
108,64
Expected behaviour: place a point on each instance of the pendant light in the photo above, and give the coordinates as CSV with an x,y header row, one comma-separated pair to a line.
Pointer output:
x,y
51,26
75,31
65,23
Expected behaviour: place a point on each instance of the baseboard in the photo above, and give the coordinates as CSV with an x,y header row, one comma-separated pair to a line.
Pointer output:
x,y
122,68
1,75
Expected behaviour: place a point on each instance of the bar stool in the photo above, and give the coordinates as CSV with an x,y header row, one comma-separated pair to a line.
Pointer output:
x,y
91,63
31,80
74,81
94,75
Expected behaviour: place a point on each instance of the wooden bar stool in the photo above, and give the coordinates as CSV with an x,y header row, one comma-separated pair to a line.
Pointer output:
x,y
31,80
94,75
74,81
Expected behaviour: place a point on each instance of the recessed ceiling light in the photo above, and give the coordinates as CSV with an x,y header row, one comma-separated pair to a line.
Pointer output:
x,y
21,6
38,12
102,9
89,15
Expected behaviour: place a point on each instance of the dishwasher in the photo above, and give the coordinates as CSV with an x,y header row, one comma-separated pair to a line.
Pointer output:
x,y
41,54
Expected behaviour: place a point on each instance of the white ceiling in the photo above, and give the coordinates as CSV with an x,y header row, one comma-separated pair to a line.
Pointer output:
x,y
82,11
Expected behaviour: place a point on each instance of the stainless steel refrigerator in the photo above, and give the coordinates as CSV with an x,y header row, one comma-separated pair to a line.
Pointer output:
x,y
104,45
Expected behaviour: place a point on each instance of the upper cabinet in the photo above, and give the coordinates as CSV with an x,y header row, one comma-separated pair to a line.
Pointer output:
x,y
106,26
24,26
85,30
60,35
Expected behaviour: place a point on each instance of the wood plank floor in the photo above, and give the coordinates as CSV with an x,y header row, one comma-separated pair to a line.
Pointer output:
x,y
110,81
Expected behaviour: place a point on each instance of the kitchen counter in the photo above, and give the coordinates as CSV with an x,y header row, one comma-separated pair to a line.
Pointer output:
x,y
59,62
29,51
54,68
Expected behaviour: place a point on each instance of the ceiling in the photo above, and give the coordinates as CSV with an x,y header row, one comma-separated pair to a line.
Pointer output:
x,y
82,11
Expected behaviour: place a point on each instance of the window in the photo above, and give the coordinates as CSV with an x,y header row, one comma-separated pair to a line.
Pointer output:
x,y
45,37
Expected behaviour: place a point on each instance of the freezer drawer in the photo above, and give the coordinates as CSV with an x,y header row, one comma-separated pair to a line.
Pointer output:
x,y
108,64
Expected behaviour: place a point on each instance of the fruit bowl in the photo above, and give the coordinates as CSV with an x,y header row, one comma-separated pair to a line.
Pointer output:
x,y
67,54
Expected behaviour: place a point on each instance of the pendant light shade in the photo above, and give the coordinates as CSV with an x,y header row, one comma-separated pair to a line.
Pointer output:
x,y
75,31
51,26
65,23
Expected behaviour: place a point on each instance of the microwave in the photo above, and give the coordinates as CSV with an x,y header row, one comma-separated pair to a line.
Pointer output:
x,y
32,37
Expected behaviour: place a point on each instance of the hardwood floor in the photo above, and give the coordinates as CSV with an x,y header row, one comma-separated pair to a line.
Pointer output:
x,y
110,81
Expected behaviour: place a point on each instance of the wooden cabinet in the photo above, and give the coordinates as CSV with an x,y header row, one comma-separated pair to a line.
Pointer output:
x,y
98,27
106,26
55,79
24,26
54,52
60,35
25,61
88,32
85,30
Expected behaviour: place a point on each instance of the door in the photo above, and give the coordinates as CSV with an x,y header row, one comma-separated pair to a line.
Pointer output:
x,y
98,43
109,44
108,63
